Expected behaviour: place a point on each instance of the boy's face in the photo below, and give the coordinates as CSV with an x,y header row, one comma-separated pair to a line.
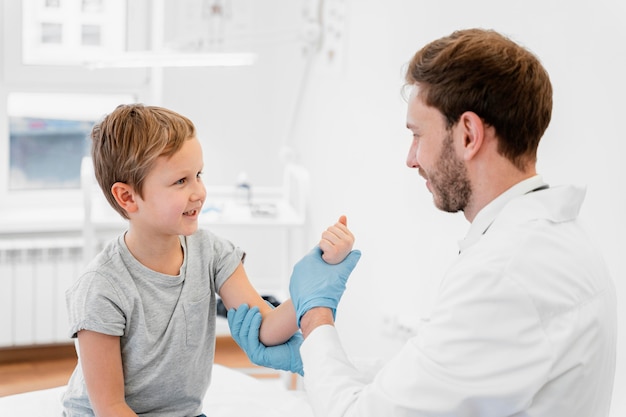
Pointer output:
x,y
173,192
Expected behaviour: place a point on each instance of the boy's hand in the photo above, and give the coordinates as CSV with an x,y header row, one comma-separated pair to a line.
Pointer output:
x,y
336,242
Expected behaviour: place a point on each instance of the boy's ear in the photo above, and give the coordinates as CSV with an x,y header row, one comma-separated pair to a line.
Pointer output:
x,y
124,194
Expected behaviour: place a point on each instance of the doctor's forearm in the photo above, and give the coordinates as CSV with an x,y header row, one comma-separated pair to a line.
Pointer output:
x,y
314,318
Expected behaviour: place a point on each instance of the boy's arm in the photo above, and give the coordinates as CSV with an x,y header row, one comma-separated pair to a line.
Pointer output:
x,y
315,283
269,338
245,322
101,361
255,325
278,324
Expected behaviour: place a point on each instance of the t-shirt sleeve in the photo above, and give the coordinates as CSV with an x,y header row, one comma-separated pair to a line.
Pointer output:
x,y
227,259
94,304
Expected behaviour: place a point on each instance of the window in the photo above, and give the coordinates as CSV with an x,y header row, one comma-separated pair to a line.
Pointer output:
x,y
49,137
49,100
71,31
46,153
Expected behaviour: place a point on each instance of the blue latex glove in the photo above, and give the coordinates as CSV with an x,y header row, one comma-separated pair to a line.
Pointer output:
x,y
245,323
314,283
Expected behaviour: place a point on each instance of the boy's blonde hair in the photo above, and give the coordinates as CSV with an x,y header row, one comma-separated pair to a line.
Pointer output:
x,y
127,142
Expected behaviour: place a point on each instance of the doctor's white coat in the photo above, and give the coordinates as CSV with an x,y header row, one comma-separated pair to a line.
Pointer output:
x,y
524,325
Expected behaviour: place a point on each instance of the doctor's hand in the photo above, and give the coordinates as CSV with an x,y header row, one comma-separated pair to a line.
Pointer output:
x,y
245,323
315,283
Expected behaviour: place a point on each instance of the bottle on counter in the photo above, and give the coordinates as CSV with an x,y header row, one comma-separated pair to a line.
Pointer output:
x,y
243,191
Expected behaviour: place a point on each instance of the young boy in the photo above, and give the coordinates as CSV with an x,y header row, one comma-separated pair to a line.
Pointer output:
x,y
144,309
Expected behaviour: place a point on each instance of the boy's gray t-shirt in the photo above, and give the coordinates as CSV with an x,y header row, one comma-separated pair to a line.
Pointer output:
x,y
166,323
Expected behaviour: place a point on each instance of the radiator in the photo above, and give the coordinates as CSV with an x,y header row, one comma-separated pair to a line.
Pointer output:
x,y
34,275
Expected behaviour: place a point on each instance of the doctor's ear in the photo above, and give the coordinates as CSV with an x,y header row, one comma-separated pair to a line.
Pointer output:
x,y
124,194
473,131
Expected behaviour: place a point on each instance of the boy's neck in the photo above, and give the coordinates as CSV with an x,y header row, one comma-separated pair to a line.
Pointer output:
x,y
158,254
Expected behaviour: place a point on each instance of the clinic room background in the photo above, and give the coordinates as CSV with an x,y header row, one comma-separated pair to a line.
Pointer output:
x,y
322,103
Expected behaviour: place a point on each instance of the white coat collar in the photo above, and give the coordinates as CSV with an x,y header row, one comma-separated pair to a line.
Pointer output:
x,y
488,214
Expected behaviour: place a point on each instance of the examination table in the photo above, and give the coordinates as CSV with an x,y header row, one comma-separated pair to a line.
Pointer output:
x,y
232,393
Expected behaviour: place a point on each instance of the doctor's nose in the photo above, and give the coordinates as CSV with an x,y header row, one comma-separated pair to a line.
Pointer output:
x,y
411,158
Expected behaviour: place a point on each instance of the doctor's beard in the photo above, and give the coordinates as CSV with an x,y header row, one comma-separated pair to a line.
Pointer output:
x,y
449,180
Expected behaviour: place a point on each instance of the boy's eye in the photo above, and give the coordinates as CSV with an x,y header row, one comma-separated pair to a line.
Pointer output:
x,y
185,179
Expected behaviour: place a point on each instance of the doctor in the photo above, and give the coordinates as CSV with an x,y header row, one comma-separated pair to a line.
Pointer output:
x,y
525,320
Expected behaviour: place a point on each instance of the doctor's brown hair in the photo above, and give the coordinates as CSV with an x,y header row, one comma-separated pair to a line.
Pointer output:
x,y
127,142
486,73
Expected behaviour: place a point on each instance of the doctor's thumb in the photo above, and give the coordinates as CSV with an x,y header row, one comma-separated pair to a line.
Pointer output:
x,y
351,260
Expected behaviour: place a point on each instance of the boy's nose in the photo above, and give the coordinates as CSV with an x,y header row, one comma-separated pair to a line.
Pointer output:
x,y
200,192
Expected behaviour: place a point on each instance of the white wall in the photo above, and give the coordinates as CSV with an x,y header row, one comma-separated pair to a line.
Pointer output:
x,y
244,114
352,137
